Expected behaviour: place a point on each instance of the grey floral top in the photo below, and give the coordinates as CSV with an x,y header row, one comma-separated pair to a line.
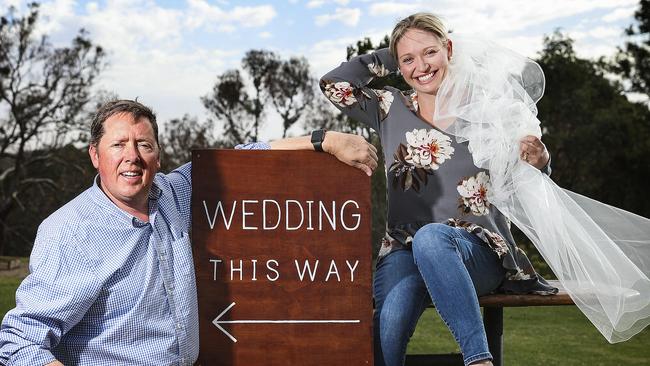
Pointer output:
x,y
430,177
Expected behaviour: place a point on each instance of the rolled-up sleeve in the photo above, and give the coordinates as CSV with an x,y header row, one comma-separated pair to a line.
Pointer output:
x,y
49,302
254,146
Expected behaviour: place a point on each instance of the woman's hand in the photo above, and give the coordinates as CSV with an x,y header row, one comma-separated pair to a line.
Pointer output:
x,y
533,151
353,150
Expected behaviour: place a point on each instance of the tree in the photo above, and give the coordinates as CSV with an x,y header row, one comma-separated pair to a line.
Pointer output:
x,y
286,85
70,178
291,90
181,136
229,103
43,93
599,140
633,60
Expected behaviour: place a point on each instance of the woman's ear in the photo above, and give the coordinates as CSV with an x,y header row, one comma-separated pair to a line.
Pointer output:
x,y
450,49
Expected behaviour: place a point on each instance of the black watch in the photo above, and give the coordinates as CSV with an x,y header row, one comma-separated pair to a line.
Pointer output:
x,y
317,137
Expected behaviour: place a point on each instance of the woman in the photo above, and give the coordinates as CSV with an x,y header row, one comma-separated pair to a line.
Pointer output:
x,y
444,241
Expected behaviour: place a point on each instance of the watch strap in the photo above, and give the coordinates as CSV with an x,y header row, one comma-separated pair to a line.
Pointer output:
x,y
317,137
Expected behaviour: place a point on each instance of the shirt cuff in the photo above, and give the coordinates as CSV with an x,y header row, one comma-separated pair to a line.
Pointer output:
x,y
31,355
254,146
546,169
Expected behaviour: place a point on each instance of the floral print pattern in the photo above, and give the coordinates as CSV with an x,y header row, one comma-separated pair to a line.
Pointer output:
x,y
414,100
473,194
493,240
378,69
405,174
428,148
385,99
425,151
340,93
343,94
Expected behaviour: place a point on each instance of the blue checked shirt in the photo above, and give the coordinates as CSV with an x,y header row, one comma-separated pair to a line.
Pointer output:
x,y
108,289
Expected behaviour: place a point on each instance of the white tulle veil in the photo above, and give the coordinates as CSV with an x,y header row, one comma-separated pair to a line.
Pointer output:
x,y
600,254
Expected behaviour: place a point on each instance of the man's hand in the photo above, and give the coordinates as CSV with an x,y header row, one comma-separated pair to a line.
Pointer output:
x,y
353,150
533,151
54,363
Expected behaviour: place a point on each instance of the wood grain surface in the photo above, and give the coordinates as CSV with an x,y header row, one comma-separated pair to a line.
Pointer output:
x,y
272,237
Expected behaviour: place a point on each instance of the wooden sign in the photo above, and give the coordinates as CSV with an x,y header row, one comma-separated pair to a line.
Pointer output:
x,y
282,253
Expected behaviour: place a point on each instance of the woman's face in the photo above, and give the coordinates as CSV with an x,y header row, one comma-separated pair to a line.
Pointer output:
x,y
423,60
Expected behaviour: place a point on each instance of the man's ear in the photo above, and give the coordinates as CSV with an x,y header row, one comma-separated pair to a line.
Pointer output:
x,y
94,155
159,158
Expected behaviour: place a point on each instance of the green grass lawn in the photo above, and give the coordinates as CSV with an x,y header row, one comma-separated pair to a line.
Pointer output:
x,y
533,336
8,286
9,281
542,336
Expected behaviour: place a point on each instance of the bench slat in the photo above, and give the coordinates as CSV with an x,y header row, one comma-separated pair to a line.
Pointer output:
x,y
509,300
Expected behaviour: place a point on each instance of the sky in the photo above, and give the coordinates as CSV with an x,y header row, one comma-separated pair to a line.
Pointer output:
x,y
169,53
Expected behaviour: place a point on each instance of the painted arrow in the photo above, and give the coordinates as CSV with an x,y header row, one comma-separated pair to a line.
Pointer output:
x,y
217,322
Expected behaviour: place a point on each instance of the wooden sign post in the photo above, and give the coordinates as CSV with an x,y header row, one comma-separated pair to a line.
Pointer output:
x,y
282,254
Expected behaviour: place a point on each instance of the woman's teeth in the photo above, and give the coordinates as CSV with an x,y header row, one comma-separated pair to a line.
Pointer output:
x,y
426,77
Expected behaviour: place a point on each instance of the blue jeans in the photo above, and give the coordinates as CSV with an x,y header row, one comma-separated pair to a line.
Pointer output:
x,y
447,265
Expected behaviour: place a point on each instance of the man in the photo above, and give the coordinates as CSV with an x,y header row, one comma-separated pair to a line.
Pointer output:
x,y
112,277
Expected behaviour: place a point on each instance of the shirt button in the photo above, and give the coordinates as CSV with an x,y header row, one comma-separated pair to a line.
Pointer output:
x,y
179,325
182,361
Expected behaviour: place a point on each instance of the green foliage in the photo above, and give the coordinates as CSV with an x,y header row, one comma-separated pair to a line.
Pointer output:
x,y
633,60
540,265
181,136
599,141
70,171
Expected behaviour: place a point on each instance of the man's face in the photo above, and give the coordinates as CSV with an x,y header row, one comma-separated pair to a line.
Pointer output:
x,y
127,158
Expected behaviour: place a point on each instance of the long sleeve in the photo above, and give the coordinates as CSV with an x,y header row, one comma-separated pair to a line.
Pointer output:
x,y
179,182
257,145
49,302
547,168
347,87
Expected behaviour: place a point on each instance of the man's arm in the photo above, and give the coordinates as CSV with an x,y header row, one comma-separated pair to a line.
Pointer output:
x,y
49,302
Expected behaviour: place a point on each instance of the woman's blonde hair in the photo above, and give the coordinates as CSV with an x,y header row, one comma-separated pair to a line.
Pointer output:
x,y
422,21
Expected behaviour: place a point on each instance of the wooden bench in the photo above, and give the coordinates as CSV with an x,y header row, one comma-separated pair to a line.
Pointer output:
x,y
493,320
9,263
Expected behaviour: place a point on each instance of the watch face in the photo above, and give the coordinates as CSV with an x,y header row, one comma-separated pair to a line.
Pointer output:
x,y
317,136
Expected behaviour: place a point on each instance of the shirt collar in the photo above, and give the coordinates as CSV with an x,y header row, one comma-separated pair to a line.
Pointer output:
x,y
100,198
